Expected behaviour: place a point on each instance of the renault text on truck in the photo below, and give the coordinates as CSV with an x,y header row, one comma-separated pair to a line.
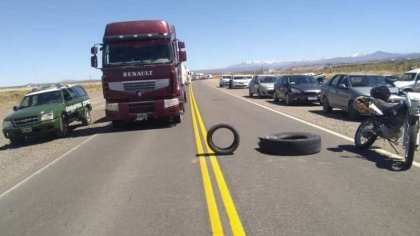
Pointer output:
x,y
141,63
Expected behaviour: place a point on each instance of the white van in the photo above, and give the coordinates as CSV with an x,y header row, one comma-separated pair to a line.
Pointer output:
x,y
410,81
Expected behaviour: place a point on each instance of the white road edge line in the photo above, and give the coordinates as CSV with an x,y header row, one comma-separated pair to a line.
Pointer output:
x,y
377,150
4,194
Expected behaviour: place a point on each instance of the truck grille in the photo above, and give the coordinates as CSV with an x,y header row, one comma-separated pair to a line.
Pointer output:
x,y
26,121
140,85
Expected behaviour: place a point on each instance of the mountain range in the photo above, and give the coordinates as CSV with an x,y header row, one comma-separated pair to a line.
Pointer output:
x,y
276,65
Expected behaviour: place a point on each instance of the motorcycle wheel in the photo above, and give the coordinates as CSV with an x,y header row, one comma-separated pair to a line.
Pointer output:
x,y
411,128
362,139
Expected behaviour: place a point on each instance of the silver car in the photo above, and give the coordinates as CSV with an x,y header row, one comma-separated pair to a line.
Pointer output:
x,y
224,80
342,90
262,85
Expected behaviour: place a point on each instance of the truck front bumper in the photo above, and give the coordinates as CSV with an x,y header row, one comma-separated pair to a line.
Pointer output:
x,y
143,109
42,127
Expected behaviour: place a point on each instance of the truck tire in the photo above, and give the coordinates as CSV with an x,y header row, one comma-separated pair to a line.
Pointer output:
x,y
86,119
177,119
64,128
291,143
116,124
219,150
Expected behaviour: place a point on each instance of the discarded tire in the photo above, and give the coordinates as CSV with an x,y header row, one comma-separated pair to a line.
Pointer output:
x,y
291,144
221,150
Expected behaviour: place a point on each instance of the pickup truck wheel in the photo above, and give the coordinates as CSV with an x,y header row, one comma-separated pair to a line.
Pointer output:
x,y
326,105
64,128
291,143
86,119
15,141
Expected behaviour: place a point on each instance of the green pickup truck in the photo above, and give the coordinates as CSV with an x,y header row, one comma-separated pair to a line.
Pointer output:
x,y
47,110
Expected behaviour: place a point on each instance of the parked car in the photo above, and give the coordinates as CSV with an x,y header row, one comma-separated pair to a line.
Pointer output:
x,y
342,90
248,79
297,88
238,81
262,85
47,110
224,80
410,81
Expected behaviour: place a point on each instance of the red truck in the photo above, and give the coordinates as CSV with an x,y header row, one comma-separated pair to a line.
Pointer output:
x,y
141,71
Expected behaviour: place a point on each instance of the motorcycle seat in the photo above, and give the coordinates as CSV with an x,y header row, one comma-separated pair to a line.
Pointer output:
x,y
386,107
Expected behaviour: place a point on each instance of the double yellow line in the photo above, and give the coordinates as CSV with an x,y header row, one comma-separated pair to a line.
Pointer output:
x,y
232,214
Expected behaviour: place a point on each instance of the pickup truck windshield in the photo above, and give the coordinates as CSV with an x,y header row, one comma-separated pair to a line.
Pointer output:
x,y
408,77
41,99
128,53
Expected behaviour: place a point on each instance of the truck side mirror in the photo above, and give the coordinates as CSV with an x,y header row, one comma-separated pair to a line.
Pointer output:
x,y
94,50
182,55
94,61
181,44
15,108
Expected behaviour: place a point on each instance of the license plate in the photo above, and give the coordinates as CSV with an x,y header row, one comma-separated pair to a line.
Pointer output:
x,y
312,98
141,116
26,130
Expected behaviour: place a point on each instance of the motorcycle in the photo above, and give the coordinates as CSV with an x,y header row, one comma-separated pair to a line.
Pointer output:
x,y
390,121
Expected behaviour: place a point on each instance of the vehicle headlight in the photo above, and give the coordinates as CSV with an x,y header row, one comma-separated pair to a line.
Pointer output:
x,y
47,116
170,102
111,106
7,124
293,90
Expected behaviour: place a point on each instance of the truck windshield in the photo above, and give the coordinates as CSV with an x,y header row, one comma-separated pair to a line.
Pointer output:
x,y
129,53
41,99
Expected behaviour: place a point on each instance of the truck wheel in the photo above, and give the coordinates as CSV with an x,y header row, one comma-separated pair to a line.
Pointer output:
x,y
15,141
177,119
64,128
117,124
86,119
291,144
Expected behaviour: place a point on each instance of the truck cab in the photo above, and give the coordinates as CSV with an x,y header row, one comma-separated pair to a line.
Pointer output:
x,y
142,71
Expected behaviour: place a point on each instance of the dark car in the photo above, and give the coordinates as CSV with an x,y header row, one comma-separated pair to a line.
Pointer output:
x,y
297,88
342,90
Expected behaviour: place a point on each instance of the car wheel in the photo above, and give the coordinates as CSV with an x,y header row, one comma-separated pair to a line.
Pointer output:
x,y
64,128
250,93
86,119
259,93
326,105
275,98
354,114
291,143
287,99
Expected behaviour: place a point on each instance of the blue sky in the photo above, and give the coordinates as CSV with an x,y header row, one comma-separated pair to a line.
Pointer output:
x,y
50,40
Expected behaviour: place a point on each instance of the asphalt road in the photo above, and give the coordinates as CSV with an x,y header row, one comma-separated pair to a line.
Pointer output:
x,y
147,180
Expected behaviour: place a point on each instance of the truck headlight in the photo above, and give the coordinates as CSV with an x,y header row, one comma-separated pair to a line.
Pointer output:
x,y
170,102
111,106
47,116
7,124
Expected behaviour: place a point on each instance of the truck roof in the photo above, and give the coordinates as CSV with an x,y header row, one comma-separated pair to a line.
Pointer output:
x,y
139,29
414,71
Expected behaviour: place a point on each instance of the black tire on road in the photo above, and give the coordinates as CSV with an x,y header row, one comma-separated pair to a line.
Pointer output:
x,y
326,105
87,118
64,128
219,150
291,143
410,146
361,132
